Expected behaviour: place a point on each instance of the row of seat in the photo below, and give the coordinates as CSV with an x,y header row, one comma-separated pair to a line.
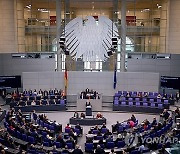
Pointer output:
x,y
138,104
136,99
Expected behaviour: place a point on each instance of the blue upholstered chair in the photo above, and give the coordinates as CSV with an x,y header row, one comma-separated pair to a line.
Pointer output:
x,y
89,147
110,145
120,144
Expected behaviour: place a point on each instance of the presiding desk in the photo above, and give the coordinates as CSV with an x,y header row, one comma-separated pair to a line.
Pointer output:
x,y
87,121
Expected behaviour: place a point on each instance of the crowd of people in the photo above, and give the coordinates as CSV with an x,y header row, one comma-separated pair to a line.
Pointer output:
x,y
82,115
145,128
89,94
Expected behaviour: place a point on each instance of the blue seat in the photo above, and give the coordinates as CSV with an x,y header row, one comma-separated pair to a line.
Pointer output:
x,y
160,106
103,130
120,144
116,102
78,132
130,103
89,147
62,102
46,144
110,145
18,135
95,131
67,130
24,137
120,129
99,137
145,104
137,99
153,105
69,145
44,134
31,140
58,145
130,99
138,104
135,152
123,103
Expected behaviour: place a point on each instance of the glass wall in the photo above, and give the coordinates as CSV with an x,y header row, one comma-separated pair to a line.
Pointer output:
x,y
146,24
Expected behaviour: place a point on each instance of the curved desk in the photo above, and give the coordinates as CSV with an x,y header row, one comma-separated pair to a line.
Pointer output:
x,y
87,121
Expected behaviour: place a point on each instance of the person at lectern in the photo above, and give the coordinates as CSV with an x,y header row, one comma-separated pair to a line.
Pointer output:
x,y
76,115
88,103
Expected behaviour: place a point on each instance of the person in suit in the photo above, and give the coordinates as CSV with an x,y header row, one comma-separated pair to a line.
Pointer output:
x,y
165,114
99,150
76,115
77,150
177,97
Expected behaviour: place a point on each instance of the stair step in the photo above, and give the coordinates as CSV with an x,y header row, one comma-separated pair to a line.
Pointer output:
x,y
71,108
107,109
107,105
71,105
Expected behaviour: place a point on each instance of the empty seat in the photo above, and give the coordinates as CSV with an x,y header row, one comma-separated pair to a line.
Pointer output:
x,y
110,145
120,144
160,106
130,103
123,103
89,147
153,105
151,100
145,104
116,102
130,99
138,104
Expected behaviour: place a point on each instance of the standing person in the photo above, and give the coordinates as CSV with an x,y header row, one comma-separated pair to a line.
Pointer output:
x,y
177,97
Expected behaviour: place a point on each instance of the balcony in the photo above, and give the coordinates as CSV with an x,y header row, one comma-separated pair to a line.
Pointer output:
x,y
131,30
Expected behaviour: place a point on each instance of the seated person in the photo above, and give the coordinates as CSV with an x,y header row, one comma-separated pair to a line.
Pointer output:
x,y
119,138
76,115
99,115
79,127
131,123
159,95
103,126
165,114
154,122
99,150
133,118
77,150
128,94
139,94
171,97
66,151
33,103
68,126
82,115
146,94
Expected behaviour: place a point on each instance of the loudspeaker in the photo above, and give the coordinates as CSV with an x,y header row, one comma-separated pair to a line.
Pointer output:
x,y
62,42
114,42
109,53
